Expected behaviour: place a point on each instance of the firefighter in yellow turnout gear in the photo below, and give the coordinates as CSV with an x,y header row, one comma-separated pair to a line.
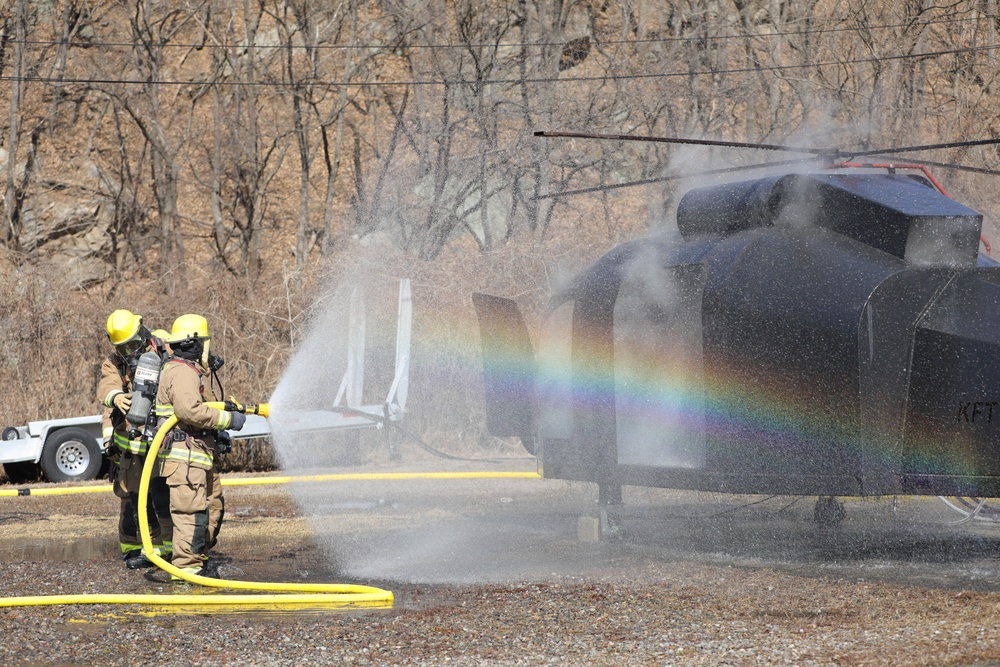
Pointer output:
x,y
127,454
187,457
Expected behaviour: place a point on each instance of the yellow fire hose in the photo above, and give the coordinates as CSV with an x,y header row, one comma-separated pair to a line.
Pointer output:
x,y
316,595
291,479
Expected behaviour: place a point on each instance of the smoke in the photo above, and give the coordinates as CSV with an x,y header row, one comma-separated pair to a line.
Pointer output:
x,y
705,166
659,383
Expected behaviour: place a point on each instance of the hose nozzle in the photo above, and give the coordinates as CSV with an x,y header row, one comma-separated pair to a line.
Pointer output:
x,y
262,409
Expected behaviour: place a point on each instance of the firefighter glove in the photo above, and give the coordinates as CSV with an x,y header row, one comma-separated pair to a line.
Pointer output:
x,y
112,454
122,402
223,442
236,421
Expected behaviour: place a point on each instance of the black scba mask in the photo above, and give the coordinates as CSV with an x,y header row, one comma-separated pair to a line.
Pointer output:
x,y
130,351
129,348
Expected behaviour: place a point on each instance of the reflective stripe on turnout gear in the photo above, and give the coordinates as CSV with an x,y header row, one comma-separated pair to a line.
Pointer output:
x,y
165,411
123,443
189,456
162,550
109,400
128,546
194,569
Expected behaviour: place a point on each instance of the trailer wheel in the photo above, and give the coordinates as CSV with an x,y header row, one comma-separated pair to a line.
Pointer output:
x,y
70,454
10,433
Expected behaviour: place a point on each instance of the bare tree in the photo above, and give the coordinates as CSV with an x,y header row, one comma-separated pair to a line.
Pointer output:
x,y
298,31
308,31
166,131
441,100
243,158
13,190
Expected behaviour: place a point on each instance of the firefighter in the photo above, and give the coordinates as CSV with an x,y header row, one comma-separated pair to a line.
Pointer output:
x,y
189,450
128,454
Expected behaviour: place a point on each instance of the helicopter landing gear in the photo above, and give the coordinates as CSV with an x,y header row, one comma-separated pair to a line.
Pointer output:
x,y
829,511
609,496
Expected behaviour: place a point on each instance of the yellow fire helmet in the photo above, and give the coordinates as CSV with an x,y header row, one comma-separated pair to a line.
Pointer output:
x,y
188,326
123,325
162,334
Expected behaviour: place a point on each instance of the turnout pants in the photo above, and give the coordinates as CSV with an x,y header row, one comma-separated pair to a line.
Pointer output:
x,y
126,487
196,510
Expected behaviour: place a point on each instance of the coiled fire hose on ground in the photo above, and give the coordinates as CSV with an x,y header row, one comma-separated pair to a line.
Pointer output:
x,y
297,595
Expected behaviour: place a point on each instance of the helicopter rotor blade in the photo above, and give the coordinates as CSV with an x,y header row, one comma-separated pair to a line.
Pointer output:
x,y
676,177
830,153
692,142
927,147
749,167
820,153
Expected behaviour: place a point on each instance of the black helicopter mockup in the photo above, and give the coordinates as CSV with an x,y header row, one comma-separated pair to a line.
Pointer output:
x,y
831,331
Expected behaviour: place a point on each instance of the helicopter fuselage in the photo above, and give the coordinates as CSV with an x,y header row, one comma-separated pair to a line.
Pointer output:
x,y
824,334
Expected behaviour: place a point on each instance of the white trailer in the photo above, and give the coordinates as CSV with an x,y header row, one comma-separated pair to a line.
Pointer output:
x,y
72,449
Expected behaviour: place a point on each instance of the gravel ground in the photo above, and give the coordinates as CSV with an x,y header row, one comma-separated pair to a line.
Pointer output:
x,y
665,612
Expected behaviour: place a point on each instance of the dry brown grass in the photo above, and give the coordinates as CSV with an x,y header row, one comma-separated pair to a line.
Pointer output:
x,y
54,341
52,332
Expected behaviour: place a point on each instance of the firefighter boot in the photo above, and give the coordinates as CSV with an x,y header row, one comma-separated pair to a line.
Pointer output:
x,y
136,560
197,570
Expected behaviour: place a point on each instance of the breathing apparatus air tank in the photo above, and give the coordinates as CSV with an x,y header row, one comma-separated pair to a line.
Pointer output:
x,y
144,385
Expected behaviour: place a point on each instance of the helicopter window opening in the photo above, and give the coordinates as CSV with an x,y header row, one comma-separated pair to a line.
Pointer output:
x,y
659,384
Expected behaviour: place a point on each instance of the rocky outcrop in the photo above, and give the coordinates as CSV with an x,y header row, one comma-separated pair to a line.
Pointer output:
x,y
65,221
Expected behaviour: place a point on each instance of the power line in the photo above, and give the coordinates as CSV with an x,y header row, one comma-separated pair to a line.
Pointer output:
x,y
485,82
656,40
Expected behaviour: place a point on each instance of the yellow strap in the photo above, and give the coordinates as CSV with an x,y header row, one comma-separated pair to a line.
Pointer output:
x,y
166,410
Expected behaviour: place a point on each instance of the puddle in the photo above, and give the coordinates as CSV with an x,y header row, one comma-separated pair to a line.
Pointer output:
x,y
495,533
87,548
418,538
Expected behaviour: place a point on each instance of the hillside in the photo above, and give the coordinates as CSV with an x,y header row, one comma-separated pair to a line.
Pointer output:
x,y
193,157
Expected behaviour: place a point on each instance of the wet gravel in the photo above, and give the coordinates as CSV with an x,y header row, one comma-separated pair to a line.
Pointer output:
x,y
625,610
686,614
